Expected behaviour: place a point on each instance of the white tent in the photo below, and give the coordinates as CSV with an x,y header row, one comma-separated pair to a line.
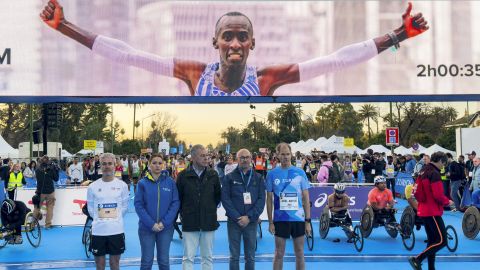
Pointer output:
x,y
421,149
66,154
377,148
402,150
435,148
6,150
84,152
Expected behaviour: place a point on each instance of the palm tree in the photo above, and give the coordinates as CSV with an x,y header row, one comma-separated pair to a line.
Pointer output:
x,y
135,105
289,115
368,112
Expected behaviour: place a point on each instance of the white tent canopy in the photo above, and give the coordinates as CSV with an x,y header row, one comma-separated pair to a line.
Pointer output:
x,y
84,152
421,149
6,150
331,144
66,154
376,148
435,148
402,150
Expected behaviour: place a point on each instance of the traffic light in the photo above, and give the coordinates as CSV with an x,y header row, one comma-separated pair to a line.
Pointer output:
x,y
53,113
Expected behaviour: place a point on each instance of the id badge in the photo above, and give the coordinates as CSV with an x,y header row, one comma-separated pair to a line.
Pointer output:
x,y
107,211
289,201
470,174
247,198
373,171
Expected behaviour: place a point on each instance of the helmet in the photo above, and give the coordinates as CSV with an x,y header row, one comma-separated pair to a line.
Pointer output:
x,y
339,188
379,179
8,206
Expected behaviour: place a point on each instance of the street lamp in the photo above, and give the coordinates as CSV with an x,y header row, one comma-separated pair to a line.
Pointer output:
x,y
153,114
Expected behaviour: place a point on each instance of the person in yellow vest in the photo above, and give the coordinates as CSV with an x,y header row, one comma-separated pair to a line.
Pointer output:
x,y
179,167
15,180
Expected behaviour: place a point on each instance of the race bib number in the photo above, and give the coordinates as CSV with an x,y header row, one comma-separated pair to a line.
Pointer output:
x,y
247,198
312,166
288,201
118,174
107,211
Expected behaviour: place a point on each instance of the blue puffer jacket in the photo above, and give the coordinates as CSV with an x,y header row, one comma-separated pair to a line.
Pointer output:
x,y
156,200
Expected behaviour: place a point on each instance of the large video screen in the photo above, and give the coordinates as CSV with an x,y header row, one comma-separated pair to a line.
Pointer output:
x,y
155,51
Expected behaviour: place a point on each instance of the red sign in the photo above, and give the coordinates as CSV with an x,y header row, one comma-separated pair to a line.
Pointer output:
x,y
392,136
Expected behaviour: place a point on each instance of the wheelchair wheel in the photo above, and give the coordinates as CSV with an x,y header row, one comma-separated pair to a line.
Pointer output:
x,y
88,223
87,243
408,236
408,217
366,221
358,238
3,242
309,239
452,238
471,222
33,230
324,225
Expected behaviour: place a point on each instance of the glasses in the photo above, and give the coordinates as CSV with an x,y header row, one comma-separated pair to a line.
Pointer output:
x,y
245,158
107,163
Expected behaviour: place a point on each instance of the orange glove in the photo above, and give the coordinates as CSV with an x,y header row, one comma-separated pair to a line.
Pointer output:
x,y
412,24
52,14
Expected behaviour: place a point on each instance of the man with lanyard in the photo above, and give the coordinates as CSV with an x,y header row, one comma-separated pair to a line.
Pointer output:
x,y
107,200
243,197
338,205
470,165
288,199
136,165
75,172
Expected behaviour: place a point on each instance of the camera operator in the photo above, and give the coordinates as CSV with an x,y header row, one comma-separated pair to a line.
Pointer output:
x,y
47,174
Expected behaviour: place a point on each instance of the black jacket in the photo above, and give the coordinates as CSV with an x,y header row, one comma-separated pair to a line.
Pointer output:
x,y
46,175
15,219
199,197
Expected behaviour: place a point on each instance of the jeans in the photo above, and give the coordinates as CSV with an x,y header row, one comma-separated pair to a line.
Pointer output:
x,y
191,241
455,186
235,233
148,240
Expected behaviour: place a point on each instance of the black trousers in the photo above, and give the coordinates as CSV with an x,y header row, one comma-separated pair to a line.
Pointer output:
x,y
436,239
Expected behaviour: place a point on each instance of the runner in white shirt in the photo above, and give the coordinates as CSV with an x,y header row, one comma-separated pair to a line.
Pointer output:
x,y
107,200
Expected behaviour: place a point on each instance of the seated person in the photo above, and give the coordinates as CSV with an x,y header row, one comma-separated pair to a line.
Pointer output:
x,y
380,198
338,205
13,217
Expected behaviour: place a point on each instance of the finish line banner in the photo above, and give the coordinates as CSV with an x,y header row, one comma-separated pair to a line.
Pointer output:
x,y
166,49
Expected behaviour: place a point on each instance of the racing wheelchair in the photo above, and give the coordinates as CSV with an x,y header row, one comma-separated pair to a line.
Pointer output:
x,y
87,232
471,222
377,218
344,221
410,220
31,228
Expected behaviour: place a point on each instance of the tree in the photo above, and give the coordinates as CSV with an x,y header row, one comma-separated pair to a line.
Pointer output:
x,y
447,138
368,112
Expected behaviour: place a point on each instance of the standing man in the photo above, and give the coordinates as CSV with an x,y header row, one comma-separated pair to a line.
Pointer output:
x,y
46,175
470,166
243,197
199,192
75,172
288,199
126,170
107,200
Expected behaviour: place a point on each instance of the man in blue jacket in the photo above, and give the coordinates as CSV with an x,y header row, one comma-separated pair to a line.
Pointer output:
x,y
243,197
156,204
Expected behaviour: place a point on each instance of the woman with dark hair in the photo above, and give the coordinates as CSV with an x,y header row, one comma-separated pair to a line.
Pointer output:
x,y
431,200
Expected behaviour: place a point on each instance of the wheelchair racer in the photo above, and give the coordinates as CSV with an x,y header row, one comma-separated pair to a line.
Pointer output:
x,y
13,217
338,205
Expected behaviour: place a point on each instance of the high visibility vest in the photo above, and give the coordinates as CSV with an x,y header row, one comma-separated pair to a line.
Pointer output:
x,y
15,181
180,168
259,164
443,175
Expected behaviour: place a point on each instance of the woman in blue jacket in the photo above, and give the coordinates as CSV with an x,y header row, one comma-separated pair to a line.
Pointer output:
x,y
156,204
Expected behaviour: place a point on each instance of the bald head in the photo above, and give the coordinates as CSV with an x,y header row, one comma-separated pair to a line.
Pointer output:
x,y
244,158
